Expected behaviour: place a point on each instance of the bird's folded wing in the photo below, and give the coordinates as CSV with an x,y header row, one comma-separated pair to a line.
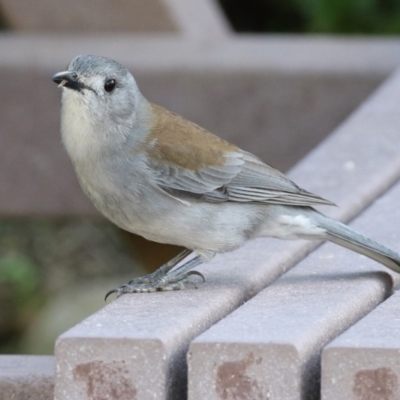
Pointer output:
x,y
241,178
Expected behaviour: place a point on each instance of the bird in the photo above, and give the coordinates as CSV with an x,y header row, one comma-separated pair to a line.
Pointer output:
x,y
153,173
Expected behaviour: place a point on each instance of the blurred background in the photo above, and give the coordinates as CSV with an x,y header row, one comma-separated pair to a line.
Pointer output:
x,y
381,17
58,256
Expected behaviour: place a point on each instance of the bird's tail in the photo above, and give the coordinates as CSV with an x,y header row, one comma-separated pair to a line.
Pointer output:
x,y
344,236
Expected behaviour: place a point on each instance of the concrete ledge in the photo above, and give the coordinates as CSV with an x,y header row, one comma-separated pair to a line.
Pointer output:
x,y
364,362
291,320
274,96
145,336
272,344
27,377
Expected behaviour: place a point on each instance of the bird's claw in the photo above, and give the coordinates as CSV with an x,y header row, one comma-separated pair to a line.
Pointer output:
x,y
155,282
110,292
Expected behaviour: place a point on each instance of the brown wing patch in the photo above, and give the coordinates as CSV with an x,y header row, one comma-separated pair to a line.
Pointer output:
x,y
183,143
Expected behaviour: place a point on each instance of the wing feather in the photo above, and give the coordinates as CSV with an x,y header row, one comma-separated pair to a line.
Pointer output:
x,y
192,163
243,178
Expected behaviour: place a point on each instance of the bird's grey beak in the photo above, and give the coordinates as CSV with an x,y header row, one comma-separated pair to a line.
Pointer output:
x,y
68,79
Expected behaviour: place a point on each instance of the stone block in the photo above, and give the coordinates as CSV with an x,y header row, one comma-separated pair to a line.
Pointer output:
x,y
136,346
270,347
364,362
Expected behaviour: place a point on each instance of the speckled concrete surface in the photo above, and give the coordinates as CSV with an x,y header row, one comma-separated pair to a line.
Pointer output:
x,y
271,345
364,362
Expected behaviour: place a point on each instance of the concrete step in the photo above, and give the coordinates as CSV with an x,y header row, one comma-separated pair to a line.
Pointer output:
x,y
364,362
272,344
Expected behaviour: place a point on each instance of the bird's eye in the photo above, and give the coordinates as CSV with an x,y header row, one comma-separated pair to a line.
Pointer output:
x,y
109,86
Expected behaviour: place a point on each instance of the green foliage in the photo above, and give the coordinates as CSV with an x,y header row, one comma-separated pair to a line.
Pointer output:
x,y
351,16
19,272
314,16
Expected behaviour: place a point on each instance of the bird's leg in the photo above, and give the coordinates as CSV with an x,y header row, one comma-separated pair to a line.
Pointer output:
x,y
163,278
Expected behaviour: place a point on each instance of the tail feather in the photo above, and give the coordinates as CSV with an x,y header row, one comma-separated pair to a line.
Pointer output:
x,y
344,236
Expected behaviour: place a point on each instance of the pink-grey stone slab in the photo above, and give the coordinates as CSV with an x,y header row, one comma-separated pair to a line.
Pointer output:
x,y
364,362
27,377
136,345
270,347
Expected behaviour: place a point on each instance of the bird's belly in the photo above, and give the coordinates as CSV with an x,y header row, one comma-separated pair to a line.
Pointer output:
x,y
158,217
211,227
131,210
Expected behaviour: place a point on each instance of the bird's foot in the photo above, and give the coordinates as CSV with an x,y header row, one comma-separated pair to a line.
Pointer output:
x,y
153,282
163,279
